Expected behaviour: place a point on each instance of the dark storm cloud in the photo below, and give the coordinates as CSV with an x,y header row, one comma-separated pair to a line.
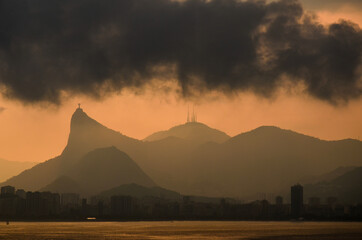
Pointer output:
x,y
95,47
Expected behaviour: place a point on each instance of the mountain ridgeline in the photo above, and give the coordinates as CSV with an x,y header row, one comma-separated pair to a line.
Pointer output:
x,y
11,168
191,131
346,187
101,169
192,159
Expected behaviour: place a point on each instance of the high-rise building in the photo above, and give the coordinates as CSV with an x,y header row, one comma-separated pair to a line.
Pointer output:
x,y
332,201
122,205
279,200
314,202
21,193
279,209
7,191
296,193
70,199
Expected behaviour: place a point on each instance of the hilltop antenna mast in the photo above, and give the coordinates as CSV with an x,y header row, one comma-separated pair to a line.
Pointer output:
x,y
193,118
193,114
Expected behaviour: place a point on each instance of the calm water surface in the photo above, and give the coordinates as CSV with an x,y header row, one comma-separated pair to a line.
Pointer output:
x,y
179,230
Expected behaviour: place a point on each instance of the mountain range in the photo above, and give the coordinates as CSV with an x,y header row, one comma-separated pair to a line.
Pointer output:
x,y
346,187
192,159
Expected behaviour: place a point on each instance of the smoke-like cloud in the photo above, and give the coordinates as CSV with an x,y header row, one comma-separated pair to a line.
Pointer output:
x,y
99,46
2,109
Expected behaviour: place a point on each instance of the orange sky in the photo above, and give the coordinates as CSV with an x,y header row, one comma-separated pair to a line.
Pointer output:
x,y
345,12
37,133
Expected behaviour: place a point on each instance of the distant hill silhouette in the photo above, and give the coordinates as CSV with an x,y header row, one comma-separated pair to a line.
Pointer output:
x,y
347,188
267,159
327,176
106,168
263,160
99,170
138,191
62,184
11,168
192,131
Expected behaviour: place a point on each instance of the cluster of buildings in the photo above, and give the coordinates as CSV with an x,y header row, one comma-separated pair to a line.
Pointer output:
x,y
18,204
315,209
21,204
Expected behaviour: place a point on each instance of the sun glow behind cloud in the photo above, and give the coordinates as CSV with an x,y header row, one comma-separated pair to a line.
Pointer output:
x,y
346,12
